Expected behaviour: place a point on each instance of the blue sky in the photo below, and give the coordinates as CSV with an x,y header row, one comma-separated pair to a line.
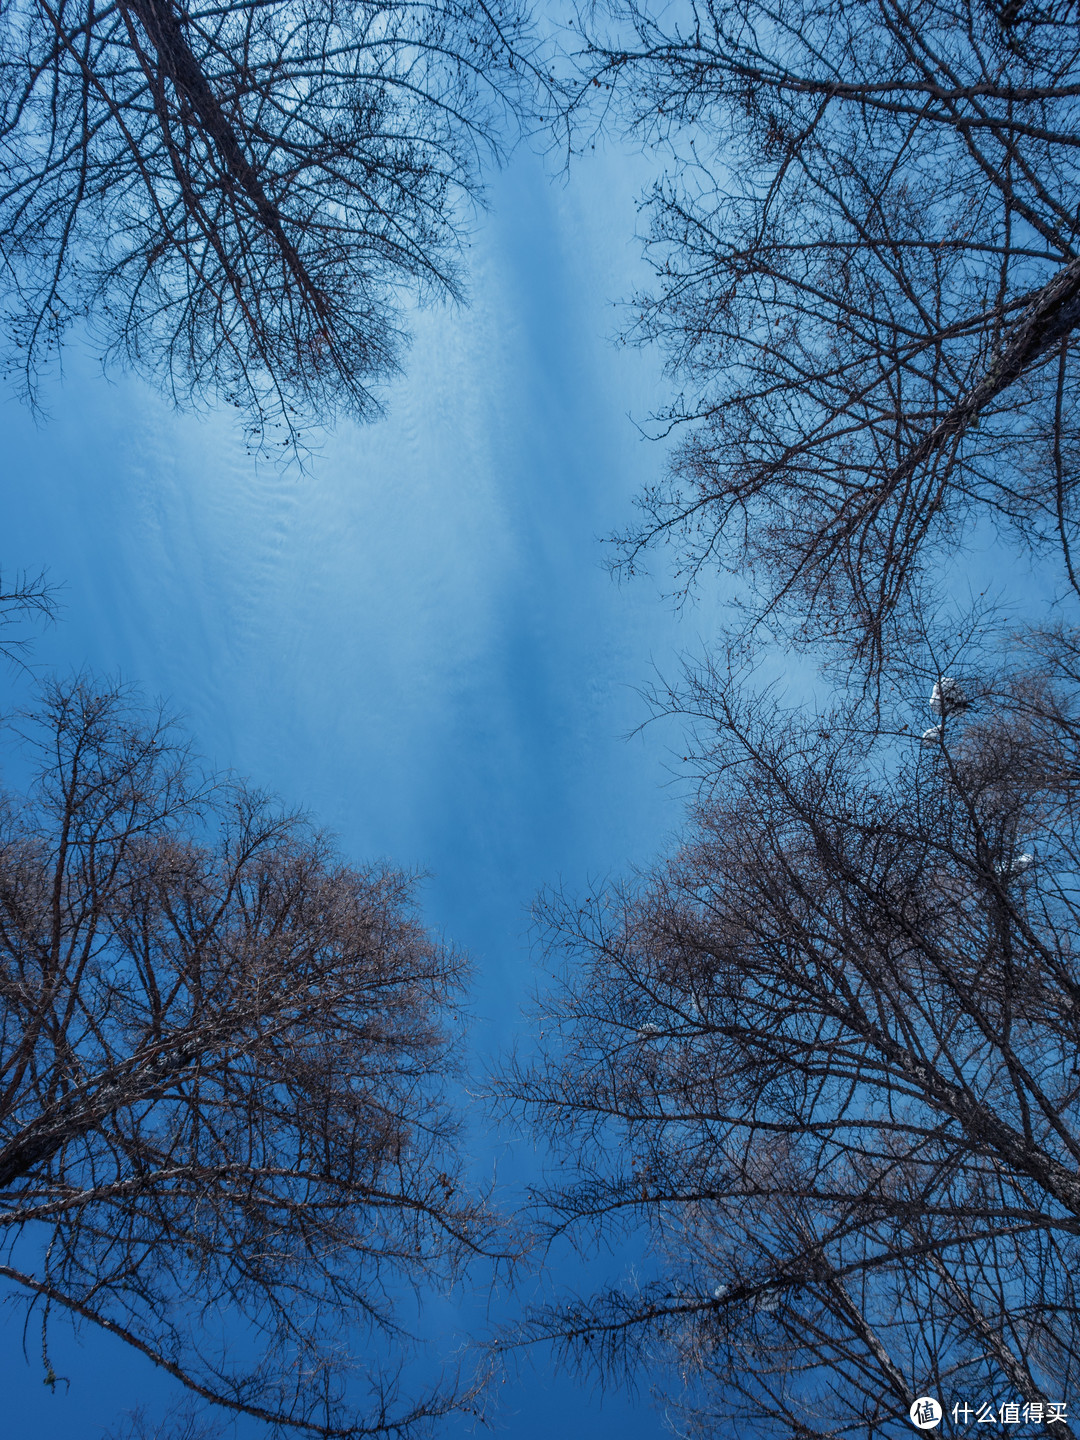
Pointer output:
x,y
416,640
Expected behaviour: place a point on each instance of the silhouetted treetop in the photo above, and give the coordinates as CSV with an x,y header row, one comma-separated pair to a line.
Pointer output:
x,y
825,1056
225,1133
867,252
238,199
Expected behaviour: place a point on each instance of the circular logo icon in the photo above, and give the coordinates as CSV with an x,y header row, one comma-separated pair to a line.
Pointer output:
x,y
925,1413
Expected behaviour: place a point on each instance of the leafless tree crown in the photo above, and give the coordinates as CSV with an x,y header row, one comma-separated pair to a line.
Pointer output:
x,y
827,1056
868,282
223,1056
238,198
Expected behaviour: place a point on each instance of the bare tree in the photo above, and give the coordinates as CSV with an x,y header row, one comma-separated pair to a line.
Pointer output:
x,y
224,1127
238,198
828,1057
867,255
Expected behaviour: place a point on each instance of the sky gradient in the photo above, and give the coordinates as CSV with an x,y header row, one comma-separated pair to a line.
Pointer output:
x,y
416,640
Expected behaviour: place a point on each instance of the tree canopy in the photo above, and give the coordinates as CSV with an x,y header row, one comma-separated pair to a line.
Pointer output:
x,y
867,255
825,1059
224,1053
238,199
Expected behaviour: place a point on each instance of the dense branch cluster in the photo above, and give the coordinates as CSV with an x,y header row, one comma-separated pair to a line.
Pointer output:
x,y
223,1054
828,1057
868,281
238,198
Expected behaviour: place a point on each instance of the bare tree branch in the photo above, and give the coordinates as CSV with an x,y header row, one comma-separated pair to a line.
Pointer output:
x,y
20,599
